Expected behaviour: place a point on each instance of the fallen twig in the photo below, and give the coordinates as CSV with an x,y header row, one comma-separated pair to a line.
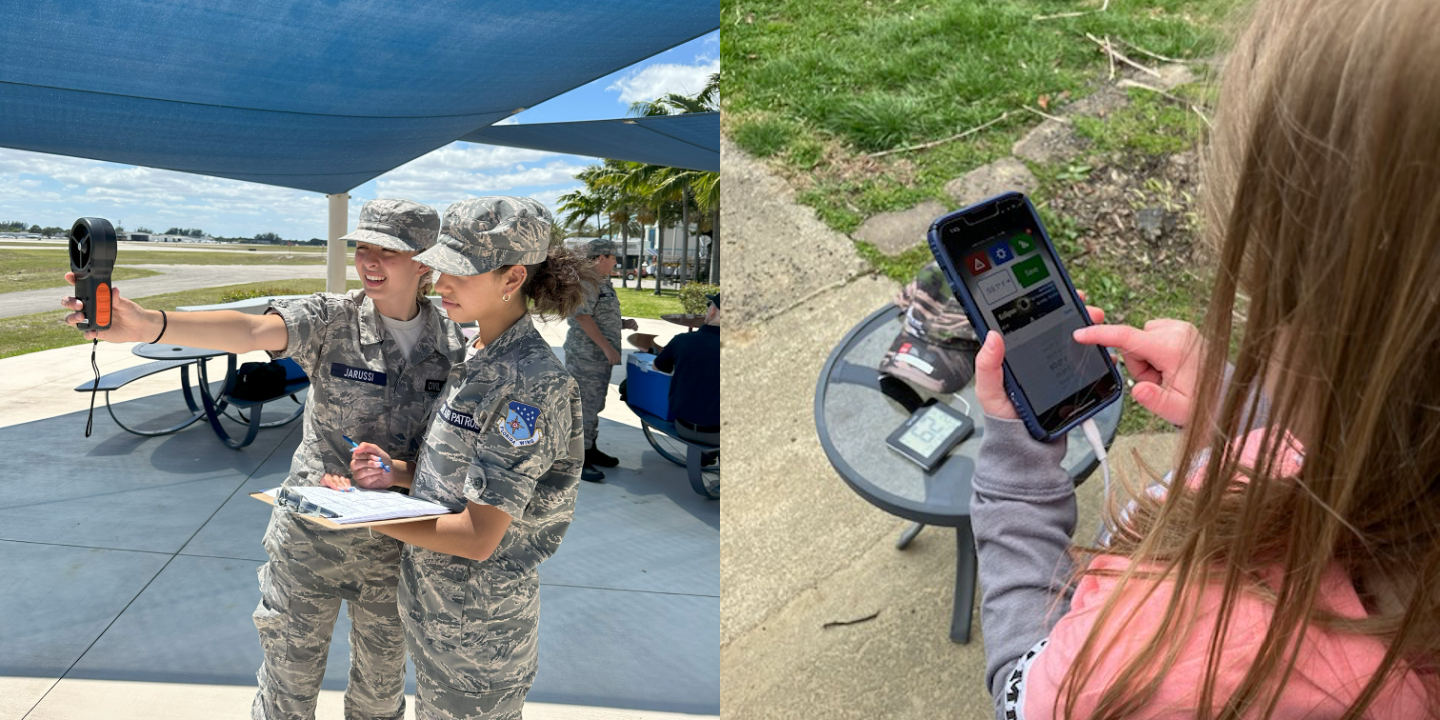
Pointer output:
x,y
1157,56
1110,55
1167,96
1116,54
1103,8
952,138
1045,115
838,623
1203,119
1152,88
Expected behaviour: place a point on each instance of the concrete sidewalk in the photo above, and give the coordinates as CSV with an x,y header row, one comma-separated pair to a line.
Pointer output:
x,y
130,565
801,549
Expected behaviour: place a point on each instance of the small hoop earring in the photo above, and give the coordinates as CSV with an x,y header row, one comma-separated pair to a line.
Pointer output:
x,y
505,297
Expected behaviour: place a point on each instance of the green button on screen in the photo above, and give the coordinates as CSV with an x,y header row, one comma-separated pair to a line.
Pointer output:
x,y
1022,244
1031,271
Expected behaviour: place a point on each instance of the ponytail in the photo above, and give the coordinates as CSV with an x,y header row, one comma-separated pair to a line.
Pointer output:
x,y
427,284
556,288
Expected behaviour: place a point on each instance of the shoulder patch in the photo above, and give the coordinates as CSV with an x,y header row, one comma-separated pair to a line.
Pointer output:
x,y
518,427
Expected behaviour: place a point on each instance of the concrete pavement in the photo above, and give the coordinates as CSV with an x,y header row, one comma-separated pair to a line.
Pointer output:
x,y
130,565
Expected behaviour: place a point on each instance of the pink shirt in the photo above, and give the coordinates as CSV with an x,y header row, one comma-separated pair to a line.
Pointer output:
x,y
1330,672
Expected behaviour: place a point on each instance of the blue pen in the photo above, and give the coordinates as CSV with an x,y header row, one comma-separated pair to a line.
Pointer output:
x,y
384,465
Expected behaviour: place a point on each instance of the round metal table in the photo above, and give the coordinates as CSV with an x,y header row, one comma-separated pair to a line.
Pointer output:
x,y
853,418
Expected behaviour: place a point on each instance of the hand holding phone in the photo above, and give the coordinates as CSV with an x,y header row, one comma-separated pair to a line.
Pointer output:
x,y
990,372
1007,275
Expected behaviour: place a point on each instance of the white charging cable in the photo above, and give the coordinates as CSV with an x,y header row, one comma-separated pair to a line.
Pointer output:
x,y
1092,434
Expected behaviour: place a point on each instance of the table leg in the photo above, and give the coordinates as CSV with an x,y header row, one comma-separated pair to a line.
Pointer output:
x,y
908,535
964,583
185,387
212,411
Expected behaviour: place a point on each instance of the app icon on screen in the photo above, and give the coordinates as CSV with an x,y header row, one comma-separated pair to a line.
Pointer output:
x,y
1031,271
1022,244
977,263
1001,253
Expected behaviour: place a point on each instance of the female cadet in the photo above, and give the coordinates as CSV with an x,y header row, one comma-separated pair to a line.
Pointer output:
x,y
592,348
406,348
504,450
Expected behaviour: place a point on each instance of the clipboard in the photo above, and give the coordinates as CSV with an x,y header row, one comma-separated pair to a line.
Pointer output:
x,y
331,524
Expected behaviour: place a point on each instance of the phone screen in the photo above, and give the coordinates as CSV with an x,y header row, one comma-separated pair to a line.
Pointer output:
x,y
1014,279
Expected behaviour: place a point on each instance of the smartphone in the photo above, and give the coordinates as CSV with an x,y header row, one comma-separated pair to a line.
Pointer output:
x,y
1005,270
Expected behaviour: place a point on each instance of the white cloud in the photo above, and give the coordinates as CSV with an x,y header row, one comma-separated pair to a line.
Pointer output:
x,y
549,197
656,80
455,172
52,190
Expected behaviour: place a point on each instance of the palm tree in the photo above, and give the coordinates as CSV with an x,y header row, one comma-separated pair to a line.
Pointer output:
x,y
578,205
707,100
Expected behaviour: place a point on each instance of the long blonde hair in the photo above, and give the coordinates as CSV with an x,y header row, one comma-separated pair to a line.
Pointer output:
x,y
1322,201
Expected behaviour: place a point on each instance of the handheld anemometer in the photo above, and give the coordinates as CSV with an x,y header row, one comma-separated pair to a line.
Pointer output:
x,y
92,259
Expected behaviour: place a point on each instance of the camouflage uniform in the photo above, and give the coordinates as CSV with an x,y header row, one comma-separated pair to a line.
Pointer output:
x,y
360,385
583,357
508,434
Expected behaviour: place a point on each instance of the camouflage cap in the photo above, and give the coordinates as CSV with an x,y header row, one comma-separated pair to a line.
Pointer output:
x,y
395,224
599,247
936,346
482,234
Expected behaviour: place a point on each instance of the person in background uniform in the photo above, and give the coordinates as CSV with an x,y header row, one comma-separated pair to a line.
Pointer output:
x,y
504,451
694,360
377,359
592,348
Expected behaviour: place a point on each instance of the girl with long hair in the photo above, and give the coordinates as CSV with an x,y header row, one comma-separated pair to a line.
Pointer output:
x,y
1290,567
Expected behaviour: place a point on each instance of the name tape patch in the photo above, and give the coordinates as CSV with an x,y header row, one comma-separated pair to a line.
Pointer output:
x,y
434,386
458,419
518,427
365,375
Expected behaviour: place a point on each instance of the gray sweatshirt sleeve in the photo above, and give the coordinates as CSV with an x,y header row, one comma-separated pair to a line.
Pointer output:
x,y
1023,514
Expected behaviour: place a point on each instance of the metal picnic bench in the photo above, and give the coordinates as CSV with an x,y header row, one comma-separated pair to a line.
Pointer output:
x,y
211,406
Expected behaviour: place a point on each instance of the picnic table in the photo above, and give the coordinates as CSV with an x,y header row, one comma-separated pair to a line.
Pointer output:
x,y
212,405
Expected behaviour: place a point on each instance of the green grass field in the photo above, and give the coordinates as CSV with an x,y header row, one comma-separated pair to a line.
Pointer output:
x,y
645,304
23,270
818,93
59,258
42,331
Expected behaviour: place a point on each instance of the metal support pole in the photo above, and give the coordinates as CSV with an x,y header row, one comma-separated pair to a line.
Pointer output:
x,y
335,249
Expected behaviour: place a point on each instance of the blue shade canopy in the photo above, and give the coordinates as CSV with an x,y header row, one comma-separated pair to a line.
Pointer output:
x,y
319,96
684,141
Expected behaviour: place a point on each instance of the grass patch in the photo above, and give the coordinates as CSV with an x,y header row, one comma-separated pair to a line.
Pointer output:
x,y
21,270
818,90
60,258
43,331
1149,124
646,304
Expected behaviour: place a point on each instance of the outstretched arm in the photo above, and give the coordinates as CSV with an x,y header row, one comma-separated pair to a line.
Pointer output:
x,y
226,330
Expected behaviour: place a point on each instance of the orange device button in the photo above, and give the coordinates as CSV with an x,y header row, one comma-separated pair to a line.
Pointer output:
x,y
102,304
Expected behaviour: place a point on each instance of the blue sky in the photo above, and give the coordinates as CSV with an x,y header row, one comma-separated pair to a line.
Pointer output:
x,y
53,190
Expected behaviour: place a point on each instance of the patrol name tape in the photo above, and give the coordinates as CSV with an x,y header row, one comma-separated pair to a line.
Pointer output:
x,y
458,419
